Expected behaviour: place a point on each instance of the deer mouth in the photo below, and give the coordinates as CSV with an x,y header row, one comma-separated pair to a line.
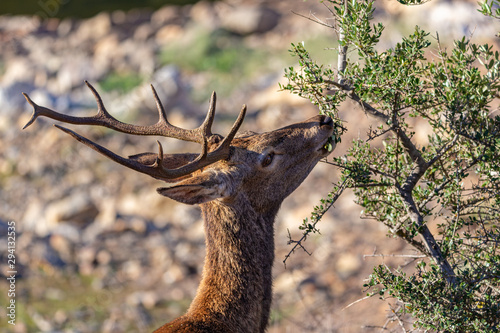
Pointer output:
x,y
328,145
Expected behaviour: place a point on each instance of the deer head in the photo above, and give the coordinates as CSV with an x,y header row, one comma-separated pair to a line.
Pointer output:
x,y
240,183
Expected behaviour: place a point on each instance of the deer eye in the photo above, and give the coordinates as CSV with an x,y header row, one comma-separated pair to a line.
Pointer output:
x,y
267,160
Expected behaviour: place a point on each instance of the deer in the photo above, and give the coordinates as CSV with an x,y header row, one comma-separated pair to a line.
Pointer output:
x,y
239,182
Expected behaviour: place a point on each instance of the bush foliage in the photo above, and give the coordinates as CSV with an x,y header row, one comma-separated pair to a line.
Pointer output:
x,y
452,181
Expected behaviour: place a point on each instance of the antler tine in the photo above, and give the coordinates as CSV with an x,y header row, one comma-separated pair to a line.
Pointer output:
x,y
46,112
159,158
101,109
225,144
101,118
35,110
156,170
206,127
162,115
195,135
237,123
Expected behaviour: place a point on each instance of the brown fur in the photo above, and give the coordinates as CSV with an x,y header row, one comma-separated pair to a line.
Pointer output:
x,y
239,199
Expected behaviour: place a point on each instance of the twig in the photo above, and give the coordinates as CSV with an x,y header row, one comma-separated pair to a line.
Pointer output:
x,y
396,314
315,20
355,302
413,256
297,244
342,59
306,233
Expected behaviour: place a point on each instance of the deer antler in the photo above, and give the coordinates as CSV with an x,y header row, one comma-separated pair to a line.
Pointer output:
x,y
202,135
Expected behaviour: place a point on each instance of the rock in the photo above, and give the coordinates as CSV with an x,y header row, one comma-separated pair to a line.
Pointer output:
x,y
204,13
160,258
313,291
73,72
288,280
450,19
62,246
168,84
95,27
45,256
41,323
60,317
347,264
18,70
118,17
133,269
65,27
85,259
103,257
175,273
148,299
143,32
105,50
248,19
16,27
77,208
11,98
166,15
107,214
169,33
34,219
138,58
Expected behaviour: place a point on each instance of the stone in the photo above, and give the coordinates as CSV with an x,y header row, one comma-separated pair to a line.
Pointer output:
x,y
105,49
148,299
133,269
165,15
85,258
347,264
62,246
143,32
169,33
204,13
73,72
103,257
248,19
95,27
18,70
34,219
77,208
11,98
65,27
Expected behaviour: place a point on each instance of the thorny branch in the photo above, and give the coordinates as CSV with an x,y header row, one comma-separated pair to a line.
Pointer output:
x,y
317,218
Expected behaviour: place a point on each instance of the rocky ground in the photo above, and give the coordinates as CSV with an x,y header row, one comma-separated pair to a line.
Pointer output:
x,y
96,248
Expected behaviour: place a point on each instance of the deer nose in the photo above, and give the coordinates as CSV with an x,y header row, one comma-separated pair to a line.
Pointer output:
x,y
326,121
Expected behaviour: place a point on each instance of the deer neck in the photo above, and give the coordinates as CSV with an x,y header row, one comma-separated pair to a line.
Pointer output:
x,y
236,284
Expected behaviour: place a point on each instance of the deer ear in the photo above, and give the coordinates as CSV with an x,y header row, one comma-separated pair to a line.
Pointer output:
x,y
204,187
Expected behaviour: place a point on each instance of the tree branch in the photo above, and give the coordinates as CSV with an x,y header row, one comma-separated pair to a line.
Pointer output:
x,y
405,191
428,239
342,59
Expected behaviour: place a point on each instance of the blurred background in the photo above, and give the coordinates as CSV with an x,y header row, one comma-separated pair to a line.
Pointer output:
x,y
97,249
